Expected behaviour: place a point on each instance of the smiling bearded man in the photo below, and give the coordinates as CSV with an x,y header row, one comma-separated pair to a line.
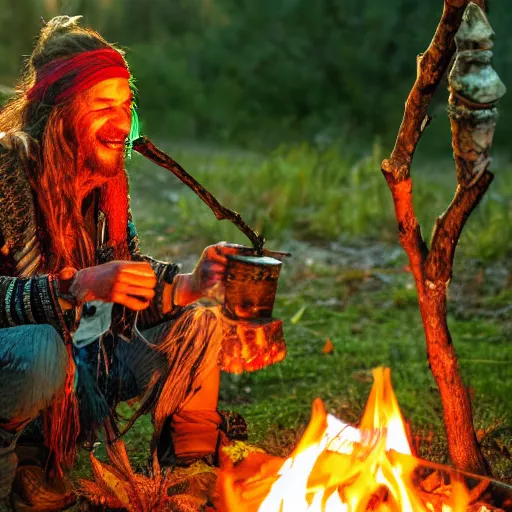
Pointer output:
x,y
69,259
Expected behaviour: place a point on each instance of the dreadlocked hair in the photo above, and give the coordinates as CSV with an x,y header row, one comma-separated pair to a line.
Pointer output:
x,y
52,149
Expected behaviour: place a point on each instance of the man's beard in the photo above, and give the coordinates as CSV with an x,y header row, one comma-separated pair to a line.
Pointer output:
x,y
92,162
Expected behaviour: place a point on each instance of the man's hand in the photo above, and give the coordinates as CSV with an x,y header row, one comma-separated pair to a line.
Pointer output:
x,y
128,283
208,278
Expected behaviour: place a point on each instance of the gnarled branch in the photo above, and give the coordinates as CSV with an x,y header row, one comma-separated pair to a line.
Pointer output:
x,y
438,266
472,118
431,67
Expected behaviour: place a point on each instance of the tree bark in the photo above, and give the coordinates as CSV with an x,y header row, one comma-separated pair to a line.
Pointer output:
x,y
432,269
463,445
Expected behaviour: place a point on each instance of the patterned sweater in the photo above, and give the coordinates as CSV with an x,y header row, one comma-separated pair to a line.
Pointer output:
x,y
28,296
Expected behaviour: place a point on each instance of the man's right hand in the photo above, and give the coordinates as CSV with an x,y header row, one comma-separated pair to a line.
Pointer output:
x,y
130,283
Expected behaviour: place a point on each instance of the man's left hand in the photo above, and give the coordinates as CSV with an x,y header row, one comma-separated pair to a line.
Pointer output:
x,y
208,278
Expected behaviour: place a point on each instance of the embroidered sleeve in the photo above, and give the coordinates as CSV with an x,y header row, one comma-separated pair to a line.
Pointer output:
x,y
165,273
33,300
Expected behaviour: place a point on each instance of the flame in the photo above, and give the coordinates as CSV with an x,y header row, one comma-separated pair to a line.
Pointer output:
x,y
339,468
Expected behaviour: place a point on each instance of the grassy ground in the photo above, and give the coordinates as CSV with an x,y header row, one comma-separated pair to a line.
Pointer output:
x,y
347,282
307,194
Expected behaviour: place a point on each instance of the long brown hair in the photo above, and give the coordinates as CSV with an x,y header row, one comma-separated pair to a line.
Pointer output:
x,y
53,166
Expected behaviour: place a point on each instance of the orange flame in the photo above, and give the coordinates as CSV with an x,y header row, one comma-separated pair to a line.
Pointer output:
x,y
337,467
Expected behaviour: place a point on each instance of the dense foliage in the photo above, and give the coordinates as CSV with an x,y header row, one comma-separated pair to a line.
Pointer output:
x,y
242,70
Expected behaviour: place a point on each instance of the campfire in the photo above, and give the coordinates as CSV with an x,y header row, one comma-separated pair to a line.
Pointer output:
x,y
339,468
335,467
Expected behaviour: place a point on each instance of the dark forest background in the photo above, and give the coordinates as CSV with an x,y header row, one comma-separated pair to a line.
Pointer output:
x,y
268,71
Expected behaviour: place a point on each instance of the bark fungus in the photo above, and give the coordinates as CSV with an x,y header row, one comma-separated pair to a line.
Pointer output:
x,y
474,89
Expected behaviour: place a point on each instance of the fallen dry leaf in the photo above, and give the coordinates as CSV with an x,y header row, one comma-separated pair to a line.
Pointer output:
x,y
328,347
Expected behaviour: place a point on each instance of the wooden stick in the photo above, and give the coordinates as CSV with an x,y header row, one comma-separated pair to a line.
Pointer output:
x,y
146,148
439,262
431,67
432,271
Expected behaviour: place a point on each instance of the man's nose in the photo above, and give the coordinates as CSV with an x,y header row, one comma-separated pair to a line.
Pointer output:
x,y
122,119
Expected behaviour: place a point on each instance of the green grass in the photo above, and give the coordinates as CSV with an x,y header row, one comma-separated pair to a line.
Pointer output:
x,y
371,323
378,324
346,281
305,193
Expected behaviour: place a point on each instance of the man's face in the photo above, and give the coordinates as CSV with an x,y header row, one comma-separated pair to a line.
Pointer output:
x,y
102,125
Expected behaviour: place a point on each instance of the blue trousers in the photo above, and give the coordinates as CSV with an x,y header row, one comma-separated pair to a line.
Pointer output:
x,y
34,359
33,363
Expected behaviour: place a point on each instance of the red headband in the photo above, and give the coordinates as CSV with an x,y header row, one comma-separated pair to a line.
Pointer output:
x,y
87,69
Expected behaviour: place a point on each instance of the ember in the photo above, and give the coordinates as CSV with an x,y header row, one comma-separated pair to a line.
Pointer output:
x,y
340,468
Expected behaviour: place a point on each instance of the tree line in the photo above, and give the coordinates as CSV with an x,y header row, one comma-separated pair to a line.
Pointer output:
x,y
240,70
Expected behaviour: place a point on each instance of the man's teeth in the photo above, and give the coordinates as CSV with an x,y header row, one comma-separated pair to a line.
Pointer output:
x,y
114,145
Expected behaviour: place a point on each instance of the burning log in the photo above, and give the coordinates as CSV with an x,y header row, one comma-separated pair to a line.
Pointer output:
x,y
473,115
335,467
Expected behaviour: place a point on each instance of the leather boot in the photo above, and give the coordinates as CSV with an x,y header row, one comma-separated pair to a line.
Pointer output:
x,y
232,426
33,489
8,464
